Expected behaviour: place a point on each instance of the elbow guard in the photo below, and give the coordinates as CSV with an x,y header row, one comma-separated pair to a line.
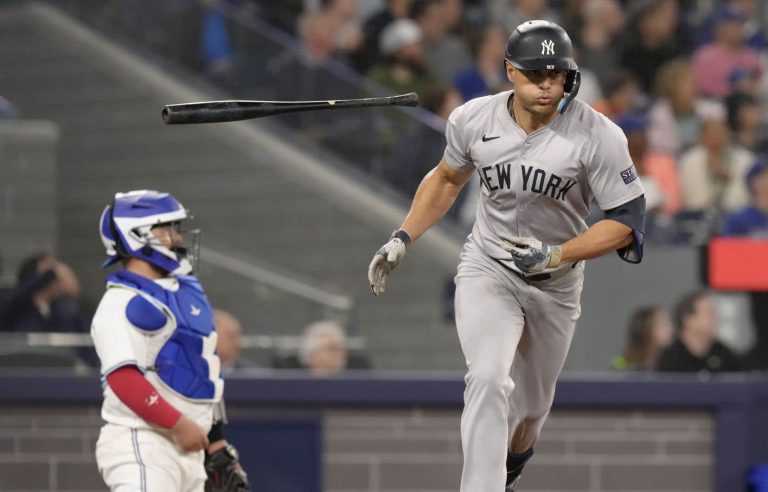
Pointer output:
x,y
632,215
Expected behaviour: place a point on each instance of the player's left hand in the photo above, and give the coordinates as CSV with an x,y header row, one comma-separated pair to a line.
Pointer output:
x,y
224,471
531,255
386,259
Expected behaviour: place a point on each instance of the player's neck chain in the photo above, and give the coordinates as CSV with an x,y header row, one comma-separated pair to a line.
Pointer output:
x,y
511,108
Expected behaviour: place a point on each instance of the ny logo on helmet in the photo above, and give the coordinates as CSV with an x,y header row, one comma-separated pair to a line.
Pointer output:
x,y
548,47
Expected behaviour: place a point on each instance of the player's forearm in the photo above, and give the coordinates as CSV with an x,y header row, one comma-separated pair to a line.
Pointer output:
x,y
603,237
432,200
138,394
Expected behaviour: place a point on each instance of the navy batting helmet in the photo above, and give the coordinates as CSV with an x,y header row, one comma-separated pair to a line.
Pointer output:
x,y
540,45
543,45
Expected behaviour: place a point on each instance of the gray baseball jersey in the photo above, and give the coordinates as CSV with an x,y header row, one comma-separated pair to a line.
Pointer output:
x,y
515,332
539,185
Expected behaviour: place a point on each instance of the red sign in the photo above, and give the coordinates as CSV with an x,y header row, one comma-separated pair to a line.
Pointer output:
x,y
738,264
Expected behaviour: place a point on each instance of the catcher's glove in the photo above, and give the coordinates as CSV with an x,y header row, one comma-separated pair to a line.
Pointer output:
x,y
224,471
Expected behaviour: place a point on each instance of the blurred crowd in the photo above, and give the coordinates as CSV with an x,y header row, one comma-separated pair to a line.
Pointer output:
x,y
46,299
685,80
688,340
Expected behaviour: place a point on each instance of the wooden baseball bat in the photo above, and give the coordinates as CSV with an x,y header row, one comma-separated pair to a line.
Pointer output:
x,y
222,111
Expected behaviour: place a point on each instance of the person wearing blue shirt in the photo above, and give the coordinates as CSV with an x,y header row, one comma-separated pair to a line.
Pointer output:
x,y
752,220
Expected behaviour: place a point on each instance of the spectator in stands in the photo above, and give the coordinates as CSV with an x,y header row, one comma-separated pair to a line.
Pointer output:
x,y
45,298
323,350
752,220
652,41
745,120
621,94
747,9
333,30
486,75
512,13
716,61
676,114
444,52
216,48
598,47
712,173
658,173
453,13
696,348
369,52
745,81
648,334
571,13
229,340
405,69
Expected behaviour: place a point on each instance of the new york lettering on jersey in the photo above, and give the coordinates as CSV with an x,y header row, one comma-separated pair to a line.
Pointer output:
x,y
561,163
534,180
544,162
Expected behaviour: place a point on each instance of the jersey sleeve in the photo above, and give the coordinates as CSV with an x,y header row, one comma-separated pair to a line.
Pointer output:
x,y
112,333
457,153
612,177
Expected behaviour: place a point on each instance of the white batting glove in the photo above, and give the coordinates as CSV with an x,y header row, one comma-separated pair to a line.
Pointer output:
x,y
386,259
531,255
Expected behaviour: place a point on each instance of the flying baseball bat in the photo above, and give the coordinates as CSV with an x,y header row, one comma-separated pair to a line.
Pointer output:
x,y
221,111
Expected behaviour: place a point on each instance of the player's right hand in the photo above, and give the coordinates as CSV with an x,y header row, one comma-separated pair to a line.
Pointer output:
x,y
385,260
189,436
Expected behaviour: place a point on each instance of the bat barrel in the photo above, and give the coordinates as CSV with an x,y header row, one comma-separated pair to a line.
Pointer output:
x,y
222,111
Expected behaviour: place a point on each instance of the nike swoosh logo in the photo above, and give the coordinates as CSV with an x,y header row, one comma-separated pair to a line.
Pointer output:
x,y
485,139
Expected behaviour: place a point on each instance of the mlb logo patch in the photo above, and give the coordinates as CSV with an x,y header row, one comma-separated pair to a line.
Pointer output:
x,y
629,174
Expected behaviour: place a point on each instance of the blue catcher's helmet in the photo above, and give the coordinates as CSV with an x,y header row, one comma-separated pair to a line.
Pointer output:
x,y
126,230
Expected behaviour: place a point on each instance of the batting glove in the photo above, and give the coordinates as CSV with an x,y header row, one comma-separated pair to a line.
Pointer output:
x,y
386,259
531,255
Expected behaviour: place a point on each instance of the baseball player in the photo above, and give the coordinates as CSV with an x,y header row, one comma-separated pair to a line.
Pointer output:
x,y
542,157
155,337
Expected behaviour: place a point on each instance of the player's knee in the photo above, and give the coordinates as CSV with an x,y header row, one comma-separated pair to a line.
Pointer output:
x,y
486,377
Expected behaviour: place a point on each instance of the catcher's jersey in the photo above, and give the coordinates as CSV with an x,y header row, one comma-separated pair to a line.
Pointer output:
x,y
538,185
119,342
